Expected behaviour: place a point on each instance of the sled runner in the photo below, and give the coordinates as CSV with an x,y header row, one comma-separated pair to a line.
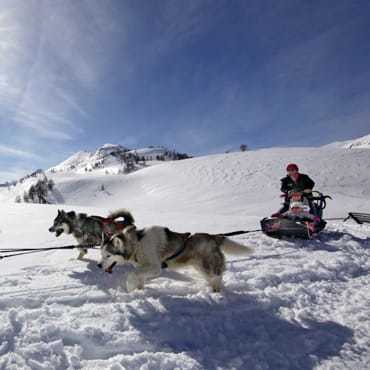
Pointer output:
x,y
360,218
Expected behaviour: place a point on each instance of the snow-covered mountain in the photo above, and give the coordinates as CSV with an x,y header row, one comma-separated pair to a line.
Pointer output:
x,y
291,305
114,158
109,159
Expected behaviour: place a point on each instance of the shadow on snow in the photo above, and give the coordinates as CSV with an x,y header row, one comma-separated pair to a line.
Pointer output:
x,y
223,331
237,332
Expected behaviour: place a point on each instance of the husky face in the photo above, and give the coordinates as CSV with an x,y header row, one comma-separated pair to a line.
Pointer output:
x,y
119,249
109,259
63,223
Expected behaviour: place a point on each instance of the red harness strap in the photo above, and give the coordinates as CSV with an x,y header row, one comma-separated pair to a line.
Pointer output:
x,y
111,226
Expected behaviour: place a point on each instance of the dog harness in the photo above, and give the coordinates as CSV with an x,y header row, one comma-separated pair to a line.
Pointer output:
x,y
175,255
110,225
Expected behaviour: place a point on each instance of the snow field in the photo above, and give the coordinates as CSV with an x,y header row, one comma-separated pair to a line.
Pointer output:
x,y
291,305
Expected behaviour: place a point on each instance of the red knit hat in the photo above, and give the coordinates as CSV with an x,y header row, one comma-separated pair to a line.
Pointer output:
x,y
292,166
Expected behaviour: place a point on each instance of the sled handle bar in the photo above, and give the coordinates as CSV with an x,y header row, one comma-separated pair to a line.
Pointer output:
x,y
310,196
323,197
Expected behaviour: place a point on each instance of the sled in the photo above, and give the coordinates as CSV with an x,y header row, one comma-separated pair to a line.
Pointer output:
x,y
285,228
298,222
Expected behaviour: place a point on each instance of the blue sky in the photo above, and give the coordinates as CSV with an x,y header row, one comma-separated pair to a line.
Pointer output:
x,y
198,76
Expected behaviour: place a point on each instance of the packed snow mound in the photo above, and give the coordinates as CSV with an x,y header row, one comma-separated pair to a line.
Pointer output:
x,y
360,143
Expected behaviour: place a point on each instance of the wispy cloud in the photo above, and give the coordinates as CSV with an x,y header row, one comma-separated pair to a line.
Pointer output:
x,y
53,60
15,152
14,173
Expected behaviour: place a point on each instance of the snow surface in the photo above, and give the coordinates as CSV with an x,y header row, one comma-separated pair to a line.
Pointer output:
x,y
292,305
77,160
360,143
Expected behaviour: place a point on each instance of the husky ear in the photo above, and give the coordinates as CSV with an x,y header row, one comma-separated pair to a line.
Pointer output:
x,y
117,243
131,233
59,213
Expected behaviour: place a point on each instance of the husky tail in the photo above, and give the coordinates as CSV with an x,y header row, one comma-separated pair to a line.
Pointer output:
x,y
234,248
124,213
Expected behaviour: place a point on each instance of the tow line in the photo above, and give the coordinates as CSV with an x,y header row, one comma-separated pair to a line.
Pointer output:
x,y
22,251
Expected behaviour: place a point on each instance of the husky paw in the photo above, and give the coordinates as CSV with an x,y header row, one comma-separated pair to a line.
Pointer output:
x,y
133,282
82,254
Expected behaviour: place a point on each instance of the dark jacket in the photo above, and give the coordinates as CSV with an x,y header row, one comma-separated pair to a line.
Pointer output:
x,y
303,182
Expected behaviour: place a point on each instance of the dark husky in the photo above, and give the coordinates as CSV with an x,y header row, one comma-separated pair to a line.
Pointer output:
x,y
90,230
156,247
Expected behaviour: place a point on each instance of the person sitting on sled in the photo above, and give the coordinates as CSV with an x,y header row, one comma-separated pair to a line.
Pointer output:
x,y
294,182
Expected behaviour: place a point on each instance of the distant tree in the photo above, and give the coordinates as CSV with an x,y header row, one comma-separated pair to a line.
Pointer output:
x,y
243,148
181,156
41,191
130,166
50,184
26,197
32,194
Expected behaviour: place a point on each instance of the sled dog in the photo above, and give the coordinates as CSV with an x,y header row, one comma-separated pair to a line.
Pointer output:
x,y
90,230
156,247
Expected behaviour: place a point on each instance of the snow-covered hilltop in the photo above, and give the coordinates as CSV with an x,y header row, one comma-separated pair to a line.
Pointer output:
x,y
360,143
109,159
114,158
91,178
33,188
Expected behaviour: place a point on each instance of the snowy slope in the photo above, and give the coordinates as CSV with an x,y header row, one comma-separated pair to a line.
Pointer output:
x,y
246,184
361,143
77,160
17,192
301,305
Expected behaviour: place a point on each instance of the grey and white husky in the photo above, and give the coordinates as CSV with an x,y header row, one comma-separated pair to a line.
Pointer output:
x,y
90,230
153,248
